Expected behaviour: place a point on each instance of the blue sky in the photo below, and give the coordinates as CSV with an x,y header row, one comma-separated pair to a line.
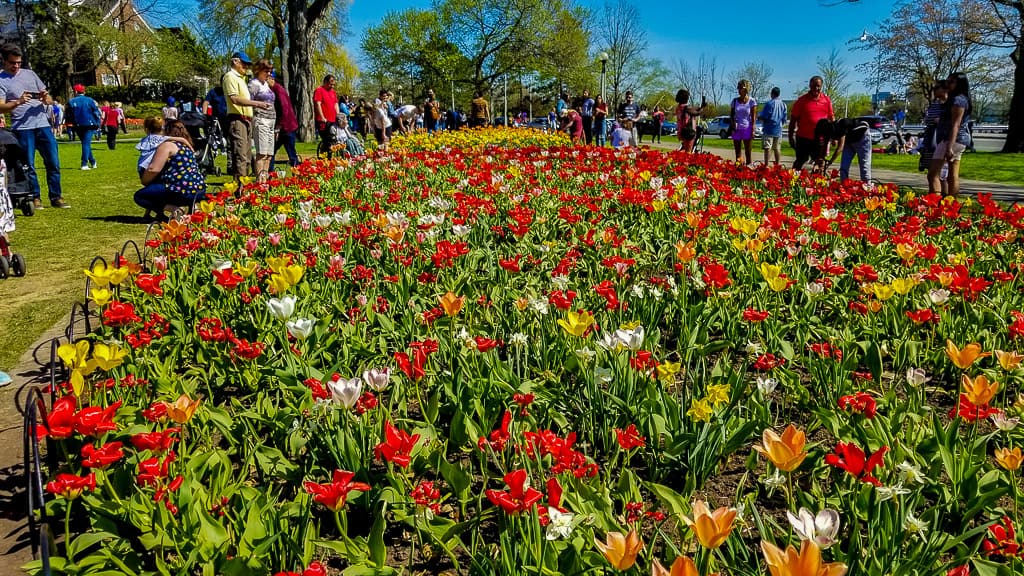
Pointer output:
x,y
734,31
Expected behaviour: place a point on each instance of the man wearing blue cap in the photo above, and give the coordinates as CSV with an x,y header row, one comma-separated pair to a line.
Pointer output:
x,y
240,105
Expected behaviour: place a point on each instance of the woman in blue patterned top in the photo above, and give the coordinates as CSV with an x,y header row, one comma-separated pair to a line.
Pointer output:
x,y
951,135
173,178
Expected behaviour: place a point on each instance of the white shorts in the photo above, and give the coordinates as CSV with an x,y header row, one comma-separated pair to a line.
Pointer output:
x,y
771,142
263,135
941,147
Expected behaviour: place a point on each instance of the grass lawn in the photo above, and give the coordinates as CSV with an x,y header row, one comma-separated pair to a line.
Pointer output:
x,y
59,244
984,166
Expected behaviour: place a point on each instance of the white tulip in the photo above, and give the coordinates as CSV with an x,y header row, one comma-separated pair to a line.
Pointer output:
x,y
917,376
822,528
345,392
938,296
911,473
282,308
300,328
632,339
343,218
323,220
377,378
766,385
461,230
560,524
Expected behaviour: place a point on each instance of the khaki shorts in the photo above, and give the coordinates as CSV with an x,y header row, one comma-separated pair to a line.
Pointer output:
x,y
940,151
241,145
771,142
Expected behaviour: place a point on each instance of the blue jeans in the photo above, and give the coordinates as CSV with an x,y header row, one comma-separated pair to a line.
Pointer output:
x,y
86,134
155,196
41,139
286,139
863,151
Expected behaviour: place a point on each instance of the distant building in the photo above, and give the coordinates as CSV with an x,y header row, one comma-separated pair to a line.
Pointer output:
x,y
16,25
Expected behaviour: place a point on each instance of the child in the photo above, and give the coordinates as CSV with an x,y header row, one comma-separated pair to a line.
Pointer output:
x,y
622,137
154,126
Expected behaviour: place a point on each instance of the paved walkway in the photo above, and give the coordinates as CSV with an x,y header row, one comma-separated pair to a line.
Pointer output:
x,y
999,191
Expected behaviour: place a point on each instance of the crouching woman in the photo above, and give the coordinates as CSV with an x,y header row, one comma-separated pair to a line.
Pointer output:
x,y
173,178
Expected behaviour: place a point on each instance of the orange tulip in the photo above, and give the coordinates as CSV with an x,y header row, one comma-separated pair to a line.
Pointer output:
x,y
979,390
806,563
1009,459
963,358
182,409
621,550
452,304
683,566
711,528
786,452
685,251
1009,360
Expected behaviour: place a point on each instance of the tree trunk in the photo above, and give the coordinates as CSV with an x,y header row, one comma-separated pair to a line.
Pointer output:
x,y
300,68
281,35
1015,132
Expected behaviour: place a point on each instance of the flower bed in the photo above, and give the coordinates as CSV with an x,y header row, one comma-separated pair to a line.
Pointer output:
x,y
564,360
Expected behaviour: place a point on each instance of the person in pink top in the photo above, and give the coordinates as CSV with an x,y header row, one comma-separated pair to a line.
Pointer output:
x,y
807,111
111,120
287,123
575,127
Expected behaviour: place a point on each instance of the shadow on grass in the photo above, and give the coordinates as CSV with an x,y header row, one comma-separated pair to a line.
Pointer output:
x,y
121,219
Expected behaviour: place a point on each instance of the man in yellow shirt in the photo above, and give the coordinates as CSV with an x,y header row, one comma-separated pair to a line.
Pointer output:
x,y
240,105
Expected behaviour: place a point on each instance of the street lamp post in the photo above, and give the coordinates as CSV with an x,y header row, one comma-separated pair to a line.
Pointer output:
x,y
866,36
399,88
604,64
529,97
504,99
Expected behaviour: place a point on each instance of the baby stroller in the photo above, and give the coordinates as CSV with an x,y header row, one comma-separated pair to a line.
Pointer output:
x,y
10,263
206,138
18,190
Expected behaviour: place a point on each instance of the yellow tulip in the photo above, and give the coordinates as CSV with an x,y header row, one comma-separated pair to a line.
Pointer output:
x,y
778,284
786,452
207,207
882,291
769,271
99,274
74,355
278,284
963,358
659,205
293,273
979,390
667,371
739,244
945,278
1009,360
108,357
743,225
683,566
692,220
619,550
576,324
903,286
277,263
906,251
711,528
182,409
521,303
246,270
873,204
100,296
1009,459
452,304
806,563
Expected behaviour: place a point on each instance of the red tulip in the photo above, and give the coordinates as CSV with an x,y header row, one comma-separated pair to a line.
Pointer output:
x,y
60,422
852,458
103,456
519,497
95,421
334,494
70,486
397,445
630,438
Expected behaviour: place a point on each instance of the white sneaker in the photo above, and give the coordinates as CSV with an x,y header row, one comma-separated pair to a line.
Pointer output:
x,y
86,167
95,165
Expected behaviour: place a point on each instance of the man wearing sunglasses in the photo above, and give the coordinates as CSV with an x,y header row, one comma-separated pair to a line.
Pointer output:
x,y
23,94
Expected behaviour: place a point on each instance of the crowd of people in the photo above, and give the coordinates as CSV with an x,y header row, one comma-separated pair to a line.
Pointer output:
x,y
256,116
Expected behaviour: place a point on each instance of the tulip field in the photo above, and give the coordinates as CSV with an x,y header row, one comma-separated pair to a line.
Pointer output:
x,y
495,354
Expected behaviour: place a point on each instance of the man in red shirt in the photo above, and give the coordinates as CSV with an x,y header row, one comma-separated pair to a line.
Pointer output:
x,y
325,111
807,111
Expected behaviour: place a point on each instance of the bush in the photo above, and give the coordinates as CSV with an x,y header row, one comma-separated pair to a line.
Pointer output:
x,y
144,110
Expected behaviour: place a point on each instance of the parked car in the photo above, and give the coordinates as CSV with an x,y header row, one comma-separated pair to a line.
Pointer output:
x,y
720,126
880,123
540,123
876,135
647,127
